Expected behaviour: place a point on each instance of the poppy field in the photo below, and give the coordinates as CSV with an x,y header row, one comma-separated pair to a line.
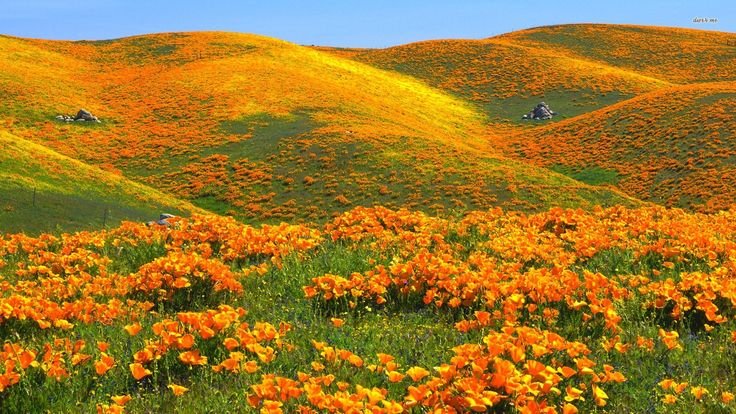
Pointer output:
x,y
369,230
378,310
648,106
501,75
215,119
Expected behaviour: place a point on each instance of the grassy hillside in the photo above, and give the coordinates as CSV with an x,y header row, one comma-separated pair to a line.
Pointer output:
x,y
575,68
380,311
507,78
264,129
41,190
668,53
674,146
645,109
39,84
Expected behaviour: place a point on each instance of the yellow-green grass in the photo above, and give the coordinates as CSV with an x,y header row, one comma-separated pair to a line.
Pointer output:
x,y
41,190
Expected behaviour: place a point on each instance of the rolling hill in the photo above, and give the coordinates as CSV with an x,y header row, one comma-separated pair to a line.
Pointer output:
x,y
506,78
41,190
578,68
672,54
645,109
673,146
263,129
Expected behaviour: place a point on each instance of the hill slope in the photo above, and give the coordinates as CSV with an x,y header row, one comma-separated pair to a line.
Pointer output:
x,y
508,78
41,190
642,108
575,68
673,146
668,53
264,129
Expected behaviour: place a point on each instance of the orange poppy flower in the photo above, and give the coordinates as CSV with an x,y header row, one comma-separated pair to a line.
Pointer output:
x,y
139,371
599,396
178,390
395,376
417,373
121,399
698,392
133,329
569,409
192,358
104,364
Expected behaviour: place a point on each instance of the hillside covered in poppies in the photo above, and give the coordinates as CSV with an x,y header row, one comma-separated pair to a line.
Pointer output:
x,y
370,230
645,109
266,130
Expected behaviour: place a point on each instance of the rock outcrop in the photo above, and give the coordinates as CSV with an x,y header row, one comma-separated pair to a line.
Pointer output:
x,y
540,112
163,220
83,115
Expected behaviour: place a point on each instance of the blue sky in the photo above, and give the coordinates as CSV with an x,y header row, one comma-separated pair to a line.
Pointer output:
x,y
376,23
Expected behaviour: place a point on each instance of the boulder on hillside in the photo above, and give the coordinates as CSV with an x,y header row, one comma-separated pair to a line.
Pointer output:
x,y
163,220
83,115
540,112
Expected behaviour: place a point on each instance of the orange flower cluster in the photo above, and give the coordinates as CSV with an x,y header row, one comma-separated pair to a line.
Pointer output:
x,y
58,282
182,334
437,275
695,292
56,359
508,369
63,280
177,269
15,360
673,389
322,394
524,268
241,244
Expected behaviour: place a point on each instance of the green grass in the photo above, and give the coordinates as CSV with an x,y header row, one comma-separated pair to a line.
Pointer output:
x,y
53,211
266,132
41,190
567,104
422,184
592,175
